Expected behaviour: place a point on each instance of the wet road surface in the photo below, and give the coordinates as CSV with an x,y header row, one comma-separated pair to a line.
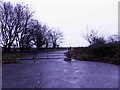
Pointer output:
x,y
57,73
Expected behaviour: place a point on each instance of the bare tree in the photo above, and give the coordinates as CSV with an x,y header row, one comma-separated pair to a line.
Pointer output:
x,y
93,37
13,23
45,33
56,36
39,33
24,16
113,38
20,29
7,25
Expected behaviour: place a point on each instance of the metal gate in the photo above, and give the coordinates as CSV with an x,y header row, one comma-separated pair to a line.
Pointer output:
x,y
41,55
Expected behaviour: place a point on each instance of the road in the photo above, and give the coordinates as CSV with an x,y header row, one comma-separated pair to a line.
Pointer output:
x,y
57,73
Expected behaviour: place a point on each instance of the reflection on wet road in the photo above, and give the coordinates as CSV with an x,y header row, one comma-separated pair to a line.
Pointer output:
x,y
57,73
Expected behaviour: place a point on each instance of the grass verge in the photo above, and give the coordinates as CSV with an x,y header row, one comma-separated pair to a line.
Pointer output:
x,y
83,56
12,57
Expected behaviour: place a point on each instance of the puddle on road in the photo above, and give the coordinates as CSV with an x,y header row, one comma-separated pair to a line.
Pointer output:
x,y
65,70
77,70
74,80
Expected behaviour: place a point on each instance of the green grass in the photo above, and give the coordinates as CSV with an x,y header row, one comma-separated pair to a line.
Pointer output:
x,y
12,57
82,56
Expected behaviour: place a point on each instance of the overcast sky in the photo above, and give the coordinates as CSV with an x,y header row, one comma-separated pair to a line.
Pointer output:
x,y
72,17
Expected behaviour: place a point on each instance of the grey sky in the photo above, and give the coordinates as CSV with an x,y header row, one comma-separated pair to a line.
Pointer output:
x,y
73,16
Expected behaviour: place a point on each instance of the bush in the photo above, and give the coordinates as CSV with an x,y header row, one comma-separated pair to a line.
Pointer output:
x,y
108,53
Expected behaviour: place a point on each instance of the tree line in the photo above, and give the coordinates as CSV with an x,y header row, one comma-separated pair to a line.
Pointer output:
x,y
100,48
20,30
99,44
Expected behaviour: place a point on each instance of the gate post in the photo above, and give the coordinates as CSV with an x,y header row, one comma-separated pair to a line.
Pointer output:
x,y
69,53
34,55
47,52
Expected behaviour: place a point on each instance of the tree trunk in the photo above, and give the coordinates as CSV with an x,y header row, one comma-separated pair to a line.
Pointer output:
x,y
54,45
47,45
9,47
